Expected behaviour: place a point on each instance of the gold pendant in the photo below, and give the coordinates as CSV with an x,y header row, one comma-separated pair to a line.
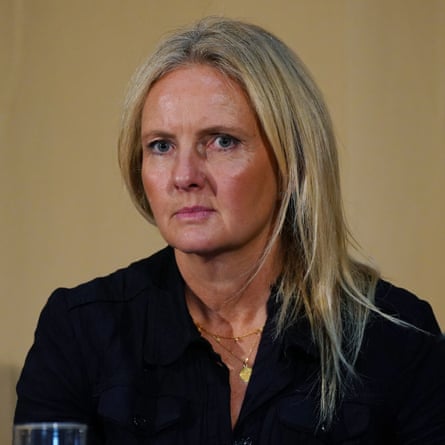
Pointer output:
x,y
245,373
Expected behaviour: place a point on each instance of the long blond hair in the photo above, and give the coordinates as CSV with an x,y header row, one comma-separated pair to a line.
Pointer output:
x,y
320,280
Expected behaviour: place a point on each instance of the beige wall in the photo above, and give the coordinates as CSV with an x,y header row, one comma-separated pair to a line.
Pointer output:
x,y
65,216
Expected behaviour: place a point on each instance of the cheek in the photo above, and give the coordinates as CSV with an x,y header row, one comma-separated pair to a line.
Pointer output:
x,y
154,183
248,190
256,177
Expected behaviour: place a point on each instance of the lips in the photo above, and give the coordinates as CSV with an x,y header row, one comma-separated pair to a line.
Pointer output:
x,y
194,212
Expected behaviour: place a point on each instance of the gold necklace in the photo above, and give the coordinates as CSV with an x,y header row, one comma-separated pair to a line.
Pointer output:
x,y
246,370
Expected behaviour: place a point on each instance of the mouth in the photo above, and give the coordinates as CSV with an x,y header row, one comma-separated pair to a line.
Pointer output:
x,y
194,213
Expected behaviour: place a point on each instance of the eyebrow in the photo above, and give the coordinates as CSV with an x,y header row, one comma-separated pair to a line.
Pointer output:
x,y
157,134
213,129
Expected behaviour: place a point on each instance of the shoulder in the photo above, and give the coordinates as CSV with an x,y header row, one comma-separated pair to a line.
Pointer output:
x,y
405,306
106,311
100,304
393,345
410,340
122,285
412,330
404,364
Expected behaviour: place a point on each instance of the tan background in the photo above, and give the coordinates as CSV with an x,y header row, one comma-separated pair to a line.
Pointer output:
x,y
64,65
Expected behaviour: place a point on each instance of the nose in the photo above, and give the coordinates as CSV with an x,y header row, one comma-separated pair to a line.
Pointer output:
x,y
188,171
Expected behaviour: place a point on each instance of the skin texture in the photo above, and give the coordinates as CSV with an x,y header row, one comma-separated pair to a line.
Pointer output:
x,y
211,182
206,170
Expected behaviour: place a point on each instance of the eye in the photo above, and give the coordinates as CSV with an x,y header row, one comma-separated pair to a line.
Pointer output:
x,y
225,141
160,146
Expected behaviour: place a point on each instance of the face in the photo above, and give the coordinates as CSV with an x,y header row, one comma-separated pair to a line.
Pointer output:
x,y
208,175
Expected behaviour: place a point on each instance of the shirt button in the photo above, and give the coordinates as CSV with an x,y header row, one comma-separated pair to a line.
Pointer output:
x,y
243,441
140,422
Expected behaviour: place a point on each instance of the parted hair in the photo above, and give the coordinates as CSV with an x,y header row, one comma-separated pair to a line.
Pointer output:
x,y
320,280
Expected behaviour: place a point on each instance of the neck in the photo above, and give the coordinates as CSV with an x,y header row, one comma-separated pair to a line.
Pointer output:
x,y
228,293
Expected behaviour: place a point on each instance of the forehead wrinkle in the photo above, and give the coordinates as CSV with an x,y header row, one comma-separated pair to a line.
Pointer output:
x,y
219,110
225,102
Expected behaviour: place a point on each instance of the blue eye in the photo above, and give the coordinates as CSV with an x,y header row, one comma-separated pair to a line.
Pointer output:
x,y
160,146
225,141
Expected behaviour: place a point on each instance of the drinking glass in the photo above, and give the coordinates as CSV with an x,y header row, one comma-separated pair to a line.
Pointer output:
x,y
56,433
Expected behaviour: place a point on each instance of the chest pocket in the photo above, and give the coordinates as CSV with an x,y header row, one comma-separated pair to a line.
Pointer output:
x,y
298,418
297,422
353,425
356,419
130,417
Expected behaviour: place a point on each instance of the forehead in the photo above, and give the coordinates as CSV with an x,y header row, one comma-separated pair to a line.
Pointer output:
x,y
197,89
199,69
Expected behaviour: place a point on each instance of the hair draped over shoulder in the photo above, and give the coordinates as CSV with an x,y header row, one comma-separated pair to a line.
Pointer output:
x,y
320,280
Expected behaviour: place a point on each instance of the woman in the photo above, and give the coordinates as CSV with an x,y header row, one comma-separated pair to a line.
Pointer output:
x,y
255,325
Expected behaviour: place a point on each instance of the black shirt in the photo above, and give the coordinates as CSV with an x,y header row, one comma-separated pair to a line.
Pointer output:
x,y
121,353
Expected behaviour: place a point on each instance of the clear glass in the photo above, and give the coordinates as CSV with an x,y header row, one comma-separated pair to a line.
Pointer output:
x,y
57,433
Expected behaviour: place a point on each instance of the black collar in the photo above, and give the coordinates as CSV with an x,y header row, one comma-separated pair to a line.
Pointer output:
x,y
297,337
169,327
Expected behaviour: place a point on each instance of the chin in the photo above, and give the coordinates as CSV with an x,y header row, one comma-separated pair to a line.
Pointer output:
x,y
203,248
191,246
196,250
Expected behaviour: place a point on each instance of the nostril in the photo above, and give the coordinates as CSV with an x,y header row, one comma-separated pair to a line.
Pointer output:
x,y
187,185
188,170
190,179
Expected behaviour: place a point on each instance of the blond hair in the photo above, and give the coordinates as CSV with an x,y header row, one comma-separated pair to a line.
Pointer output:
x,y
320,281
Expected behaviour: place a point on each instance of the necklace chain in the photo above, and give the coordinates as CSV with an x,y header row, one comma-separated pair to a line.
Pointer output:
x,y
235,338
246,370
